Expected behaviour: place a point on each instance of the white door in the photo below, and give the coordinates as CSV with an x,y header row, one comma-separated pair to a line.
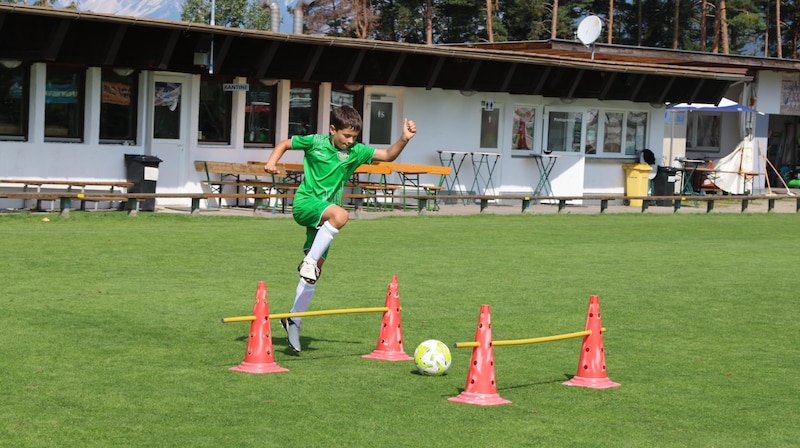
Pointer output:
x,y
564,135
168,130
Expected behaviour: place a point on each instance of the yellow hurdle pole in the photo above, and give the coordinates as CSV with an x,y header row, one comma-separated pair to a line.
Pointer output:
x,y
227,320
557,337
380,309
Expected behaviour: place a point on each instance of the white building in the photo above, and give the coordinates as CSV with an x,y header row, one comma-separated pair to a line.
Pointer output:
x,y
81,90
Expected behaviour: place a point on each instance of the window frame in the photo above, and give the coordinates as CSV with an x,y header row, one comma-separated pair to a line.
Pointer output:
x,y
133,112
25,82
271,135
314,124
546,128
693,130
79,108
226,120
594,129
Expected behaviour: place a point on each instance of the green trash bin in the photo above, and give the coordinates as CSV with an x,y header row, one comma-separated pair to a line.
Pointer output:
x,y
636,181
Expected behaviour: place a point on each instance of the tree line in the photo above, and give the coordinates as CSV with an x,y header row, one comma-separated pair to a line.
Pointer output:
x,y
768,28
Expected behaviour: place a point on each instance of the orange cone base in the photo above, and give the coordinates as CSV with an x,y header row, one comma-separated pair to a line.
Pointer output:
x,y
479,399
592,383
259,367
385,355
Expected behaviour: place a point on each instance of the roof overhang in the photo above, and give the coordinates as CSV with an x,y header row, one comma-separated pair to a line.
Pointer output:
x,y
557,69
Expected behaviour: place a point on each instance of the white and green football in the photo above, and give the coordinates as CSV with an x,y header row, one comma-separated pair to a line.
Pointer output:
x,y
432,357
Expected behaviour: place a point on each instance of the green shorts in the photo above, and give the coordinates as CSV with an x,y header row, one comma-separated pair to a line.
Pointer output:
x,y
308,212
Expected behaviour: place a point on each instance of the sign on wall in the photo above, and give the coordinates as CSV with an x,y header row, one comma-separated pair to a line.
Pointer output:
x,y
790,95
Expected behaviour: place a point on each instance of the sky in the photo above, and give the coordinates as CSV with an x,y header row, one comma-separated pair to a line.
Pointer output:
x,y
163,9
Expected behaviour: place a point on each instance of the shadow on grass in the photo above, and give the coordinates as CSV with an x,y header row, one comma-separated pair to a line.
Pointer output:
x,y
524,385
281,344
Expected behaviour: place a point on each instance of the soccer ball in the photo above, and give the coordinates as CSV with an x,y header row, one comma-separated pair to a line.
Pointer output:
x,y
432,357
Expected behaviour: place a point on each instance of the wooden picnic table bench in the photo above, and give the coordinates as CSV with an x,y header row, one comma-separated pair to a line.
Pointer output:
x,y
72,185
363,181
411,179
250,177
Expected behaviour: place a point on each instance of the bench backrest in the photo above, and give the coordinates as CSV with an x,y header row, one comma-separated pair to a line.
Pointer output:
x,y
288,166
232,168
423,169
374,168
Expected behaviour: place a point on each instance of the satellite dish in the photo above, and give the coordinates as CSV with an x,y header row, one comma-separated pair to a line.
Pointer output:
x,y
589,29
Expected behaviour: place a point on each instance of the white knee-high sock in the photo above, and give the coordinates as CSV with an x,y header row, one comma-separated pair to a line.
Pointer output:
x,y
321,242
302,299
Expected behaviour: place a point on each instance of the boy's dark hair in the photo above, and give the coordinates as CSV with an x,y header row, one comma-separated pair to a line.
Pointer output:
x,y
344,117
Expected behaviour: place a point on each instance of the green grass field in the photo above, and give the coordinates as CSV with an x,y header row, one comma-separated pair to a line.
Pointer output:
x,y
111,332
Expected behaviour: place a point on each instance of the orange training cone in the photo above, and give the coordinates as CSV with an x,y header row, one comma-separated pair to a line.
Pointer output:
x,y
390,341
259,357
481,388
592,364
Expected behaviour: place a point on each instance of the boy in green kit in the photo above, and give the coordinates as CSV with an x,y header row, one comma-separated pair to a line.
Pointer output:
x,y
329,162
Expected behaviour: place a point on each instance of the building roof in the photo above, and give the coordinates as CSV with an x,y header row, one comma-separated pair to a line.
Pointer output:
x,y
552,68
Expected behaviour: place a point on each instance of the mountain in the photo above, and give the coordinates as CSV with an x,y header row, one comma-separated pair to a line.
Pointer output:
x,y
160,9
155,9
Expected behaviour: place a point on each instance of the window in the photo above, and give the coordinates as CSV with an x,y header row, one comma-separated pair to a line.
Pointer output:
x,y
564,131
702,131
118,108
259,115
343,96
380,122
13,102
167,110
607,132
635,132
612,132
214,120
591,131
63,109
303,109
624,133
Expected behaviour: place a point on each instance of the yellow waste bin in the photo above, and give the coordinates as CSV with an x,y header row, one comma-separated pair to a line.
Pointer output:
x,y
636,181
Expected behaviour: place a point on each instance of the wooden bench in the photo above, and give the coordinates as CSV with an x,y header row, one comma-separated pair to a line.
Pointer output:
x,y
132,200
411,179
77,186
363,181
371,180
249,176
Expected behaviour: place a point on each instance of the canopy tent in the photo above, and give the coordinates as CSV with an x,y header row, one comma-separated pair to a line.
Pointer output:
x,y
724,105
733,172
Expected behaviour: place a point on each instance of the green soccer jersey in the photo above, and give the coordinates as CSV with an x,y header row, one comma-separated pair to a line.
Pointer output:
x,y
326,169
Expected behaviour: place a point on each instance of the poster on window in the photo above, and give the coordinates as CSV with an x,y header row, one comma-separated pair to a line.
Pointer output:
x,y
61,93
166,111
167,94
522,128
116,93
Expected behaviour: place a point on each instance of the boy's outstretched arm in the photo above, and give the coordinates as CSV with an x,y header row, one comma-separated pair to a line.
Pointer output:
x,y
392,152
276,155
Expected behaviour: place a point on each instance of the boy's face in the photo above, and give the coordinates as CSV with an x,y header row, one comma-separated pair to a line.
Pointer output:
x,y
343,138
